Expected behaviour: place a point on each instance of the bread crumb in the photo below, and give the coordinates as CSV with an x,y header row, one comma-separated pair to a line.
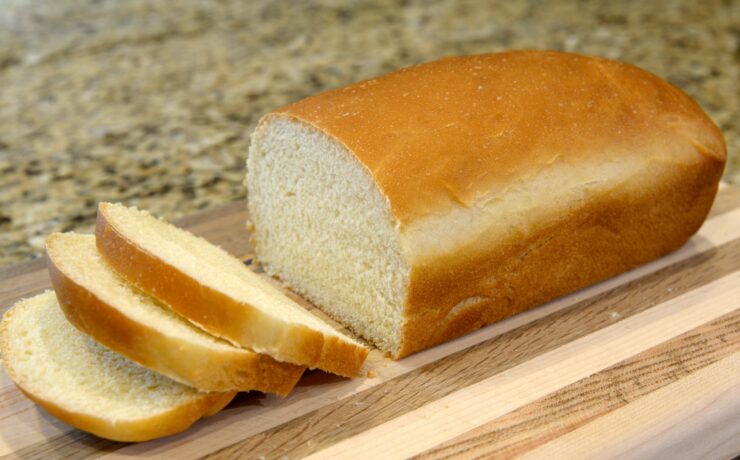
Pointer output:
x,y
371,374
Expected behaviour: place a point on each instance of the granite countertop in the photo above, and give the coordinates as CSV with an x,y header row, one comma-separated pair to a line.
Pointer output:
x,y
152,102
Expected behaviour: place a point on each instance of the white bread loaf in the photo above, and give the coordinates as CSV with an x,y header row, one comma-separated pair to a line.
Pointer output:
x,y
104,306
89,386
217,292
426,203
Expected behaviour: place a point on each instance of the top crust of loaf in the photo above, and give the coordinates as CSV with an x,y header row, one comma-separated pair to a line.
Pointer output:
x,y
479,125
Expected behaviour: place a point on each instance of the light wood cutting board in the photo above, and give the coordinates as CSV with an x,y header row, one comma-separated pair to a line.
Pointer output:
x,y
644,365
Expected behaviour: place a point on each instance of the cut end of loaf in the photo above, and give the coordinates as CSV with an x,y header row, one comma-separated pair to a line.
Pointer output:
x,y
89,386
321,225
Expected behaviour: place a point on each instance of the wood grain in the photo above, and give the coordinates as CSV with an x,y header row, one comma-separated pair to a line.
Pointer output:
x,y
326,412
466,409
579,403
695,417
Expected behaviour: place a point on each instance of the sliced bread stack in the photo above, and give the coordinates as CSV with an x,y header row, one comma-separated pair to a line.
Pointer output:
x,y
162,328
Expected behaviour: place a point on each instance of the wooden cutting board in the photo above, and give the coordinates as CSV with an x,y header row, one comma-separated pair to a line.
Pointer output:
x,y
645,365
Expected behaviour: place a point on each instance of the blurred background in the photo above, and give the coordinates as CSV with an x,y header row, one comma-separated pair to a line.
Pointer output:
x,y
151,102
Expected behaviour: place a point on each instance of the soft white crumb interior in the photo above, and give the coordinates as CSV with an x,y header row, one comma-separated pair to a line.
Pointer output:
x,y
322,226
56,362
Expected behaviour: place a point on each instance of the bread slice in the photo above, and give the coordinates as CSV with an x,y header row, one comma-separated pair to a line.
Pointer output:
x,y
219,293
103,305
426,203
89,386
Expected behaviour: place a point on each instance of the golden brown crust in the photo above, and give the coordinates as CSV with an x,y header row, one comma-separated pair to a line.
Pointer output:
x,y
167,423
613,233
477,124
456,133
195,301
193,364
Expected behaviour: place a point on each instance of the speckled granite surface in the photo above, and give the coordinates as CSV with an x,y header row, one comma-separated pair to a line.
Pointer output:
x,y
151,102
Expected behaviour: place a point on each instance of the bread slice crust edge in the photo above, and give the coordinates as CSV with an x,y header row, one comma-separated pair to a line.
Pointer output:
x,y
219,314
183,361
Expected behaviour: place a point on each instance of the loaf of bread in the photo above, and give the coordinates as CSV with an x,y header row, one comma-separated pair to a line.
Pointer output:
x,y
426,203
217,292
89,386
104,306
